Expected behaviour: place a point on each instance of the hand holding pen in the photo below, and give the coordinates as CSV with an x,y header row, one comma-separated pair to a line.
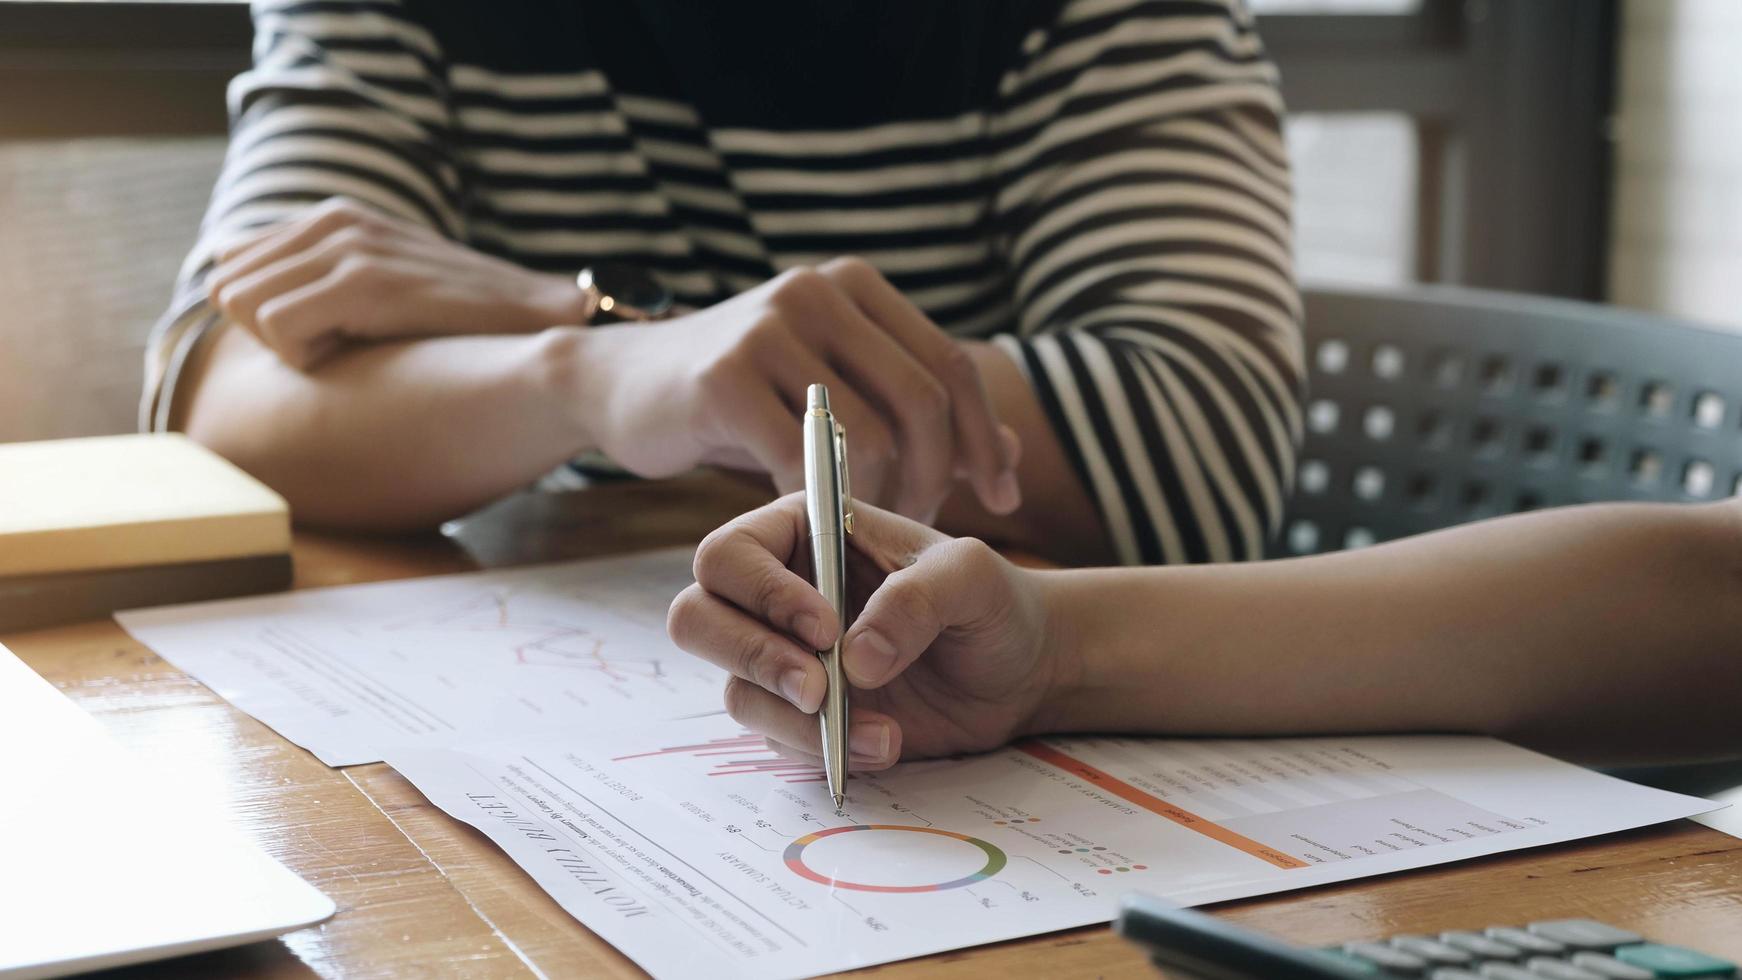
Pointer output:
x,y
950,650
956,650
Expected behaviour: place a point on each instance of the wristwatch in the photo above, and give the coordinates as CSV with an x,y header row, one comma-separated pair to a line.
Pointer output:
x,y
616,292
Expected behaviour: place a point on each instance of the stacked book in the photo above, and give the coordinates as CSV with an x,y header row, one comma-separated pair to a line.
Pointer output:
x,y
89,526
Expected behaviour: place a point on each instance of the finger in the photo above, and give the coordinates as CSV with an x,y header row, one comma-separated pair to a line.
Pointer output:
x,y
307,320
733,458
326,346
240,297
362,297
903,391
887,541
873,739
250,254
870,443
298,234
991,470
761,422
854,764
745,564
791,754
1012,444
239,243
233,242
949,584
722,635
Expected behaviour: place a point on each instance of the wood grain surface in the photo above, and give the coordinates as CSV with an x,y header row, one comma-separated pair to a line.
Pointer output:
x,y
420,894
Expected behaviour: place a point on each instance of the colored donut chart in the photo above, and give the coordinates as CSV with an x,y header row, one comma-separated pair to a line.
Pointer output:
x,y
995,860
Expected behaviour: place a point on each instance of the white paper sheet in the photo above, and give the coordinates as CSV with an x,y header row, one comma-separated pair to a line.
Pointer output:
x,y
697,852
1729,819
345,672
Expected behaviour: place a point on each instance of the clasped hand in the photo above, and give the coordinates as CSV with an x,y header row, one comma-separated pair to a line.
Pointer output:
x,y
725,386
346,273
721,386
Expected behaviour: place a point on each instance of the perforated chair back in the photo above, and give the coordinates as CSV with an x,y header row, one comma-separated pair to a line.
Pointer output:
x,y
1434,406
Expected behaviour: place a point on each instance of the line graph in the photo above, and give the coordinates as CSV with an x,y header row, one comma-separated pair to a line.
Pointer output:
x,y
579,649
534,640
740,755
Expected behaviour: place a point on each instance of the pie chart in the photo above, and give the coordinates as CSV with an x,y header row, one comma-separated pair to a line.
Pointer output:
x,y
893,858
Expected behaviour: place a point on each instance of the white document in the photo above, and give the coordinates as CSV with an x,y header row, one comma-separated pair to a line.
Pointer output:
x,y
697,852
107,860
345,672
1729,819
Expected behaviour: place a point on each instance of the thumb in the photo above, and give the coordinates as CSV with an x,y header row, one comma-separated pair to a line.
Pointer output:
x,y
946,586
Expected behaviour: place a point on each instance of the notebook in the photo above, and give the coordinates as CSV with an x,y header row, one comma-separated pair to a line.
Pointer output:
x,y
88,526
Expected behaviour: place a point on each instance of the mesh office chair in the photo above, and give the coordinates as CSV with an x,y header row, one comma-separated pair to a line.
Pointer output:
x,y
1433,406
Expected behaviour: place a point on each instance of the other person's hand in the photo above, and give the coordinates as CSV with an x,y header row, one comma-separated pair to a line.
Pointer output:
x,y
950,652
726,385
348,272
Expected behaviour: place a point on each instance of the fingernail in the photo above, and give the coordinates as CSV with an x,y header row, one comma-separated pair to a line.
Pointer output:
x,y
808,628
1008,491
870,657
792,687
869,740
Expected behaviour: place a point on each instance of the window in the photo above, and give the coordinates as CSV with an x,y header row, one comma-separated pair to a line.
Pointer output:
x,y
1449,141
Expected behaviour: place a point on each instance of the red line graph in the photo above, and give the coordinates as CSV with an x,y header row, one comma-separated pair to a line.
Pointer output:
x,y
553,643
549,651
748,755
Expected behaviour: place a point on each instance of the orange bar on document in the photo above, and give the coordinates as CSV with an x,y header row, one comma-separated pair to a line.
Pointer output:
x,y
1131,794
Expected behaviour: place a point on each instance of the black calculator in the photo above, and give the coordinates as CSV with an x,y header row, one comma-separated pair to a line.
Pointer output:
x,y
1191,944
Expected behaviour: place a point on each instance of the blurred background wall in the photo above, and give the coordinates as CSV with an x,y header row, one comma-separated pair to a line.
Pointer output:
x,y
91,233
1587,148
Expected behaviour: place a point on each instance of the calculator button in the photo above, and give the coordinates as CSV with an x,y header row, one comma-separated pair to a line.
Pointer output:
x,y
1674,961
1345,960
1486,948
1549,969
1506,971
1431,950
1611,968
1529,942
1584,934
1395,960
1453,973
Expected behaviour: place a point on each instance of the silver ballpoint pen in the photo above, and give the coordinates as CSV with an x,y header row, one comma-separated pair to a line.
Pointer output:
x,y
828,505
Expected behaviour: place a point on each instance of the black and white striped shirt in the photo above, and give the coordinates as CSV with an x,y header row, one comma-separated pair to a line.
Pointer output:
x,y
1099,186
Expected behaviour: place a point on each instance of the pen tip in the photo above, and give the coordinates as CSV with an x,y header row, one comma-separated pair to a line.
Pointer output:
x,y
817,396
840,801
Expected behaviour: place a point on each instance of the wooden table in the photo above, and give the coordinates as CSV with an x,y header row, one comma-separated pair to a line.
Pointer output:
x,y
421,894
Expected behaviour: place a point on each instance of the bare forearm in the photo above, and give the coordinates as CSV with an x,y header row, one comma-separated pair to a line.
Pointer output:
x,y
392,436
1608,632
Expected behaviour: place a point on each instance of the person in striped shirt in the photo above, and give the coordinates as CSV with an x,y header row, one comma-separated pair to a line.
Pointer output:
x,y
1038,249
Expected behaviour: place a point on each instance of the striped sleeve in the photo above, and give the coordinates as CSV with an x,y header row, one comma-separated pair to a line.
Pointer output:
x,y
1144,192
343,99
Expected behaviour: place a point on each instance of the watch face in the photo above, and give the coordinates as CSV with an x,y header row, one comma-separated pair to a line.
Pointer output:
x,y
628,286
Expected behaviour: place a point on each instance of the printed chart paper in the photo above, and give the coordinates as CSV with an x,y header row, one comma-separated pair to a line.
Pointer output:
x,y
697,852
345,672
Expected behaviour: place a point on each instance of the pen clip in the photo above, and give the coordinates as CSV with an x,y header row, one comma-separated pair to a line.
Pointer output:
x,y
846,483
